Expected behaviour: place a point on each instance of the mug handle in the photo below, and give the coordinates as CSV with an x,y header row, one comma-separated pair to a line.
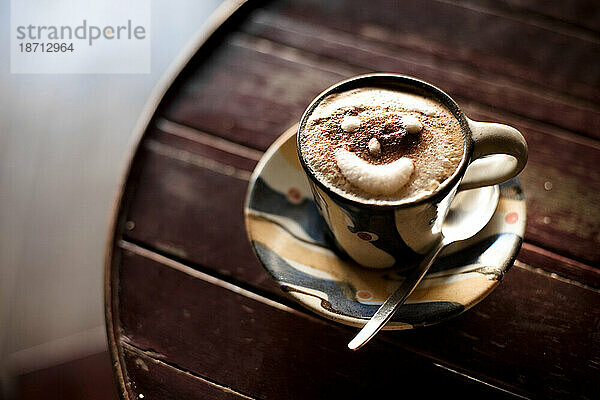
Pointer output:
x,y
499,154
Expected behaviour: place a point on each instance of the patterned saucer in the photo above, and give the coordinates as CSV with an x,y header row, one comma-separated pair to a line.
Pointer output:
x,y
290,240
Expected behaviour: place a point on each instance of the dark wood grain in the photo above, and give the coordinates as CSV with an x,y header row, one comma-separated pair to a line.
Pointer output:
x,y
193,315
154,379
263,348
193,211
491,342
474,36
530,330
554,14
496,90
564,267
247,96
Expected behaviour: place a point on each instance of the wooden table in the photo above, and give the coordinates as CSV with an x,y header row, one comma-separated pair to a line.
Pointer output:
x,y
192,314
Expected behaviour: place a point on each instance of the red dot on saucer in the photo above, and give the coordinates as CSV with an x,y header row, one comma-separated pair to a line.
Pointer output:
x,y
294,195
365,236
511,217
364,294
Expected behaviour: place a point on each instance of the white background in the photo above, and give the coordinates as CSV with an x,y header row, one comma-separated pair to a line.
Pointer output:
x,y
63,140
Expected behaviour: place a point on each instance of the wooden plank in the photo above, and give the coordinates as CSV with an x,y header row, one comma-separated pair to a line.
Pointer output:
x,y
576,13
153,379
245,96
261,348
527,325
261,88
191,207
462,81
567,268
452,30
204,145
517,339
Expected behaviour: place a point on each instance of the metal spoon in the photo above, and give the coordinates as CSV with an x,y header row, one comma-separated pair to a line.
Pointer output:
x,y
470,212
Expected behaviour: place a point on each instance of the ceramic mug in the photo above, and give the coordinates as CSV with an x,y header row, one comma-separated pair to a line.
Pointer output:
x,y
400,233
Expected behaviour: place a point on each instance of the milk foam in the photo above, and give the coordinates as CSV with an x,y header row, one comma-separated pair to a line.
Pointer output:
x,y
378,145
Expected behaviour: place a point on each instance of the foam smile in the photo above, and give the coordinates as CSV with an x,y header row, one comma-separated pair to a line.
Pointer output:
x,y
375,179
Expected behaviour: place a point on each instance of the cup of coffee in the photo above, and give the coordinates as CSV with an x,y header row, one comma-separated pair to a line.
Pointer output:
x,y
385,154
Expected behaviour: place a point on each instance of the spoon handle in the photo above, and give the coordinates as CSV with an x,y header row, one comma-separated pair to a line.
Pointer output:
x,y
387,309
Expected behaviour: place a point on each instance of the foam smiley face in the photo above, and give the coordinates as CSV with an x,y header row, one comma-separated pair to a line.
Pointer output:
x,y
370,154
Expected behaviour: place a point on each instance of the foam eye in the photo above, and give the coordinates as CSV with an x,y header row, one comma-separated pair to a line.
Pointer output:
x,y
374,147
350,123
411,124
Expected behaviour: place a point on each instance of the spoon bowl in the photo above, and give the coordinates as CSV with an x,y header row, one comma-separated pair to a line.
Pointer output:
x,y
469,213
